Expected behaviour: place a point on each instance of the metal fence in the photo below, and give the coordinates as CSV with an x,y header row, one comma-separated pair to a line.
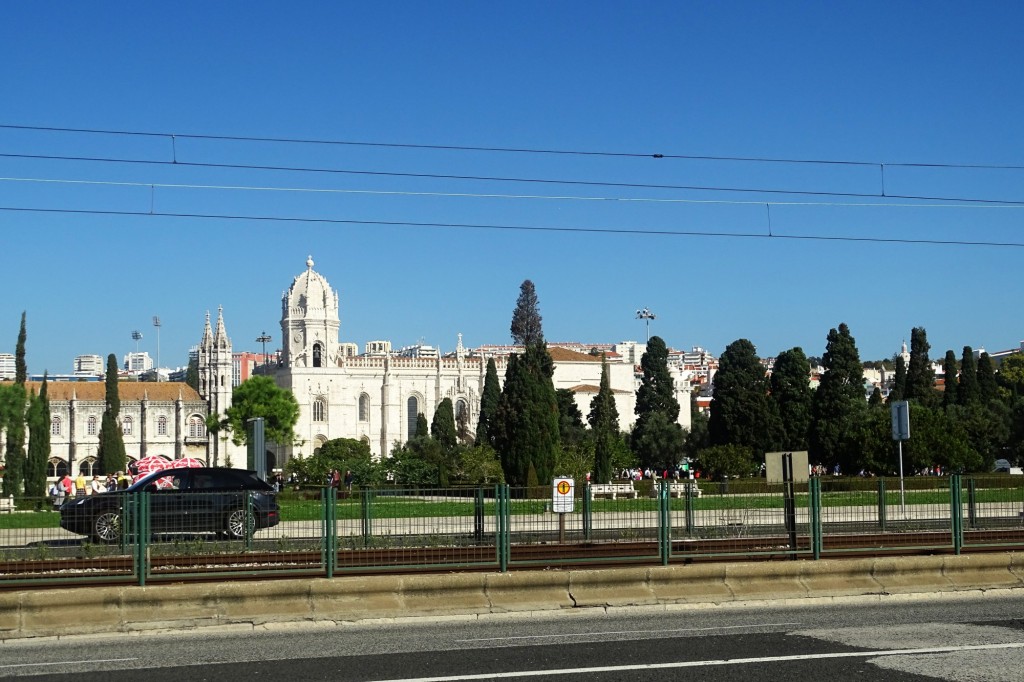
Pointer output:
x,y
167,535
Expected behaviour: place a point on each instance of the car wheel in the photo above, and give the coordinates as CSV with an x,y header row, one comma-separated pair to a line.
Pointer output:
x,y
107,527
234,526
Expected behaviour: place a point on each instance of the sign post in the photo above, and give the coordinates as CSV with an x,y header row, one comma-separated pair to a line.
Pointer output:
x,y
562,492
901,432
256,451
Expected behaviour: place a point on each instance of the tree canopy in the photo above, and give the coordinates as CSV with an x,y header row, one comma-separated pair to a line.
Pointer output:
x,y
526,319
742,412
839,400
791,391
604,425
657,437
259,396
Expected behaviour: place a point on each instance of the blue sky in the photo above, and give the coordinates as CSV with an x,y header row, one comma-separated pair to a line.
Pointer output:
x,y
884,83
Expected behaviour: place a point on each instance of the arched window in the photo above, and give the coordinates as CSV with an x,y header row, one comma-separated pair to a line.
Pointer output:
x,y
412,411
461,409
318,442
364,408
319,410
90,426
126,426
318,353
196,427
366,440
87,466
55,426
161,426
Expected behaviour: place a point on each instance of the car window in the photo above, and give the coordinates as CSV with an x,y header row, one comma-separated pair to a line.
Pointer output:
x,y
204,481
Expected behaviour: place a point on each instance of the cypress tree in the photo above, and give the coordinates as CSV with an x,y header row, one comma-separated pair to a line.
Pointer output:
x,y
899,387
949,371
920,376
525,430
421,427
488,404
791,390
14,457
967,390
192,373
988,387
526,319
571,430
604,422
527,423
657,439
839,401
20,368
742,412
657,389
38,443
111,453
442,428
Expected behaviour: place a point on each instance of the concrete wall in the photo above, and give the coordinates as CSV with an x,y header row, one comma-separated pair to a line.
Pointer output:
x,y
48,612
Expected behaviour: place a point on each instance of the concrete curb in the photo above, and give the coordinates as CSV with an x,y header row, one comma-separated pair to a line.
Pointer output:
x,y
127,609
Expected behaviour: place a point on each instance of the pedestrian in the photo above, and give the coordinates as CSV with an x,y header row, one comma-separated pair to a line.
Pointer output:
x,y
97,486
348,480
57,494
335,479
81,487
68,485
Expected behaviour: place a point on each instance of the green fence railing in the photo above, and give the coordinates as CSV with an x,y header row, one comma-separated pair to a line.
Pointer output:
x,y
144,539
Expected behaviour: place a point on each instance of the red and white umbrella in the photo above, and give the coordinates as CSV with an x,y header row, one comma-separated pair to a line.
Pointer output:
x,y
187,463
148,465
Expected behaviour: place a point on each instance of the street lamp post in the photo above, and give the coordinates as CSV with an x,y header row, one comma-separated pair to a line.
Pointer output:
x,y
647,316
156,323
263,338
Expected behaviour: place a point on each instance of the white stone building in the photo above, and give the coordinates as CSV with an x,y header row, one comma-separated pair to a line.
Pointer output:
x,y
377,396
165,419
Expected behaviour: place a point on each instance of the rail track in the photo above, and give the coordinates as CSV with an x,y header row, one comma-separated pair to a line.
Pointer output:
x,y
164,565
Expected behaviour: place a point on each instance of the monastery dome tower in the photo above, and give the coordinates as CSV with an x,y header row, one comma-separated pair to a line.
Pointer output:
x,y
310,321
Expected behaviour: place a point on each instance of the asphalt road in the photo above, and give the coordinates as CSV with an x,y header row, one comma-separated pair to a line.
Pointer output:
x,y
935,637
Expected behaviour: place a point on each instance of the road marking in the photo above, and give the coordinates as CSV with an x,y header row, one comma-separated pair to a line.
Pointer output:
x,y
630,632
75,662
702,664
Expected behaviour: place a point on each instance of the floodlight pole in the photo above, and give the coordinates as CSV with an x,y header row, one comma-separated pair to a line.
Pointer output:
x,y
647,316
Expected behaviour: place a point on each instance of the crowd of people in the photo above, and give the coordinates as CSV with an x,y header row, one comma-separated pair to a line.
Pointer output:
x,y
81,486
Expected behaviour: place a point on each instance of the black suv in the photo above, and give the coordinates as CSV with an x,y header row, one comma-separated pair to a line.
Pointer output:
x,y
201,500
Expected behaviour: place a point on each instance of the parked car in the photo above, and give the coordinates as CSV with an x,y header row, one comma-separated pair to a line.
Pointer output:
x,y
200,500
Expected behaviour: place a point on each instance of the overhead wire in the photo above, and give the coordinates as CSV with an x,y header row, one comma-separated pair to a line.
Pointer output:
x,y
522,228
476,195
512,150
487,178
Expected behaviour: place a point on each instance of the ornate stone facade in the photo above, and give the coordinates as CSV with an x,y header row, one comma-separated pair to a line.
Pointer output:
x,y
375,397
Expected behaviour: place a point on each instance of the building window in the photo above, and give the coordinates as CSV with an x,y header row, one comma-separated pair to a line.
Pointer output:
x,y
161,426
412,411
88,467
55,426
196,427
90,426
126,426
461,409
318,355
364,408
319,410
